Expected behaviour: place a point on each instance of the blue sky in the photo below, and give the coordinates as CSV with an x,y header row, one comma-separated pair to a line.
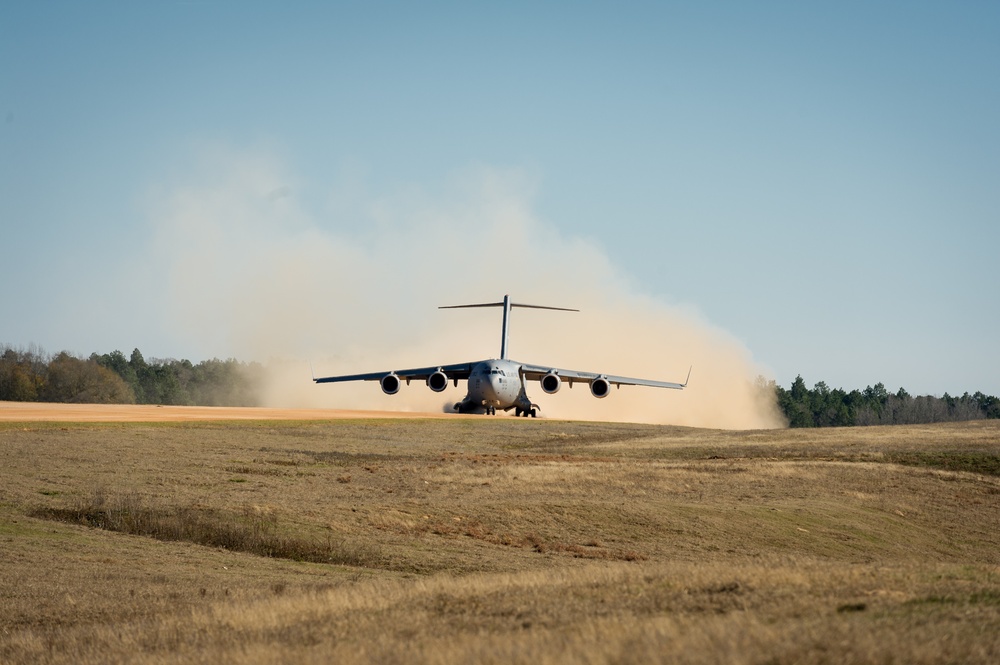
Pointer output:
x,y
819,180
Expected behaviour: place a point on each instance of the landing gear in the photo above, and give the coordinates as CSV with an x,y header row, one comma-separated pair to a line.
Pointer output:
x,y
525,412
491,411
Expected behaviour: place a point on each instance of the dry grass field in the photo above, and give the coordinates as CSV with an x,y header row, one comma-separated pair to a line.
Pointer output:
x,y
497,540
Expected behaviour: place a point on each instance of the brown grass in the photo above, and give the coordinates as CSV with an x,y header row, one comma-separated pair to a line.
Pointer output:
x,y
497,540
252,531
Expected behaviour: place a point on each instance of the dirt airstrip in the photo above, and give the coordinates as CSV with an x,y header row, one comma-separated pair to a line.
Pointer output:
x,y
152,413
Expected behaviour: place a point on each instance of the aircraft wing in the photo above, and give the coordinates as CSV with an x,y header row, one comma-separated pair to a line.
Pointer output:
x,y
536,372
457,371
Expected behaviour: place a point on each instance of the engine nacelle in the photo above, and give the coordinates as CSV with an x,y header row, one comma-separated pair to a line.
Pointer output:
x,y
551,383
437,381
390,383
600,387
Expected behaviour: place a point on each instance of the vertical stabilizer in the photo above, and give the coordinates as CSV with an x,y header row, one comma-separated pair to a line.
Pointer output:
x,y
507,306
506,327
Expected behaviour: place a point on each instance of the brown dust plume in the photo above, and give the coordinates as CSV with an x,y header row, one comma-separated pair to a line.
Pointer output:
x,y
250,272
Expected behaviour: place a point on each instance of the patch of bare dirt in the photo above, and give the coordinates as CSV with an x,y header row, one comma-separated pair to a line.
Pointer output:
x,y
38,411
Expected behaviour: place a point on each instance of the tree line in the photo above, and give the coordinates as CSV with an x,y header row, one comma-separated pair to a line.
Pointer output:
x,y
30,375
826,407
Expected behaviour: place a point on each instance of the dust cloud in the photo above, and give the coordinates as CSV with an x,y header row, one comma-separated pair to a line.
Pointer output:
x,y
246,269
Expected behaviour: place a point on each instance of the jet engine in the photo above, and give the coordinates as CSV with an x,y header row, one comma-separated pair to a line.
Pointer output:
x,y
551,383
437,381
600,387
390,383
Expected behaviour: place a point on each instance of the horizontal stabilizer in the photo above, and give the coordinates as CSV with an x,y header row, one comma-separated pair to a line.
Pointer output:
x,y
507,306
513,304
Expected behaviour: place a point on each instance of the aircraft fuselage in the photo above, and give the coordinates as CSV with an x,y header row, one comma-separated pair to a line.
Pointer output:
x,y
495,384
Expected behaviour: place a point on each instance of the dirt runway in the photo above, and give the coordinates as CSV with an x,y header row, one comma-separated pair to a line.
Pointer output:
x,y
38,411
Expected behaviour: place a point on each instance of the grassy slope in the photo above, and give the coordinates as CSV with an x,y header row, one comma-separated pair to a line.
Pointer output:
x,y
500,540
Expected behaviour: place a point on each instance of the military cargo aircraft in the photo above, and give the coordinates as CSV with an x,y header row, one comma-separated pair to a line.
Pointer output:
x,y
500,383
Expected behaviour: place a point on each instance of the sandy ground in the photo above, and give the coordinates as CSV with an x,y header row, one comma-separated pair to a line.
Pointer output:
x,y
37,411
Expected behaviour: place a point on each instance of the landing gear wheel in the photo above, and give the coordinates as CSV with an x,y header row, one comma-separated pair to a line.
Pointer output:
x,y
533,413
517,412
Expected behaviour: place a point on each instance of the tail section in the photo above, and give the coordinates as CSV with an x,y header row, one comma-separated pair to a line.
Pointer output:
x,y
507,306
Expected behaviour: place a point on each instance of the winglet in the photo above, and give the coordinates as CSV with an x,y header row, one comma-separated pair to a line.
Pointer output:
x,y
684,385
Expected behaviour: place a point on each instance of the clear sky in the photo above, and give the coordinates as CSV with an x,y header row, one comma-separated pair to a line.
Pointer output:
x,y
820,180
